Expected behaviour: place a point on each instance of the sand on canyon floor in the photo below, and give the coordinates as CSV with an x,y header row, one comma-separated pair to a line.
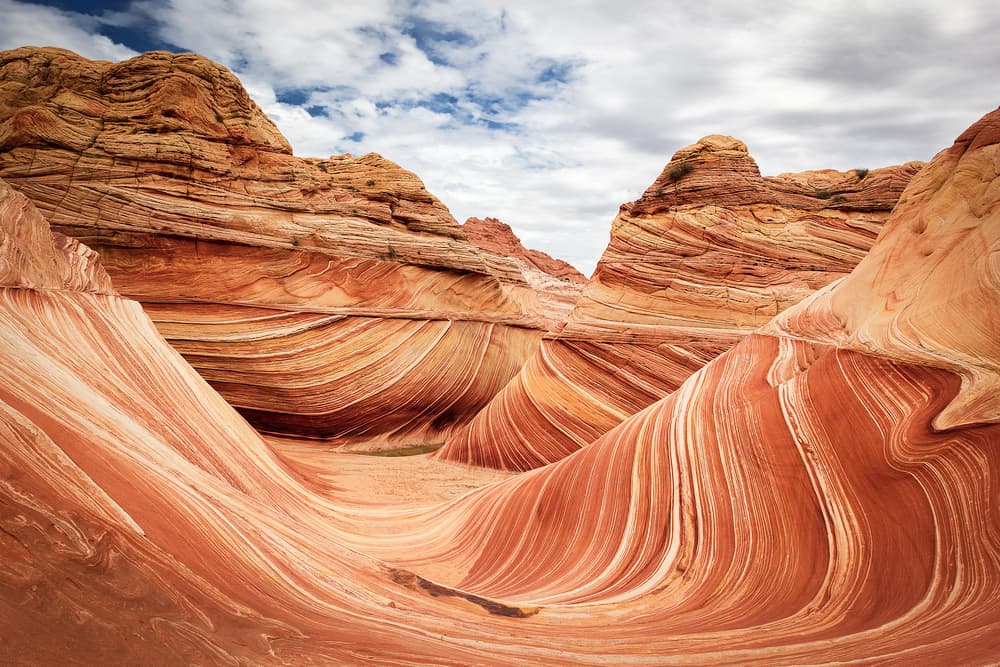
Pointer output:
x,y
367,479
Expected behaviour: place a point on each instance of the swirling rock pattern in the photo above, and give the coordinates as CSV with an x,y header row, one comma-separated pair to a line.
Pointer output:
x,y
822,492
791,503
711,251
279,278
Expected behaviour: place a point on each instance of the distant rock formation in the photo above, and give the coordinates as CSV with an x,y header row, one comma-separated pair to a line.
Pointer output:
x,y
327,298
711,251
557,296
496,236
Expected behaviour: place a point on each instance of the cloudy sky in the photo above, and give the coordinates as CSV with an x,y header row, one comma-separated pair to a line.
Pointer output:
x,y
548,115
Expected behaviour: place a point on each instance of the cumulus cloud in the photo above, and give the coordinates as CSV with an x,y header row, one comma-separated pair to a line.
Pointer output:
x,y
26,24
549,115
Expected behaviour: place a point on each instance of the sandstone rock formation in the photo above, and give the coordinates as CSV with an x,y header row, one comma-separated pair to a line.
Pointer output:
x,y
710,252
32,257
824,492
290,284
496,236
556,282
820,493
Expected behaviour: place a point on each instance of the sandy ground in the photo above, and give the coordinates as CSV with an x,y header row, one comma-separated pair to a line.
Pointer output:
x,y
381,480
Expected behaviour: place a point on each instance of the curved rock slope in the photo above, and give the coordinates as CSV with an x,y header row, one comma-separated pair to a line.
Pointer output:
x,y
710,252
142,520
824,492
280,279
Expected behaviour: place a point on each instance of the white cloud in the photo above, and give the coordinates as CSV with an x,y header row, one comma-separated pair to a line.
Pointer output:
x,y
33,25
550,115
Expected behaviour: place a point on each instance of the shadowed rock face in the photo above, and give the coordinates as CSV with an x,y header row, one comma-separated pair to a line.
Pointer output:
x,y
282,280
710,252
791,503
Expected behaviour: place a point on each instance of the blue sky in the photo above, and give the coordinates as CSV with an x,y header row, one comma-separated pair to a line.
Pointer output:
x,y
550,115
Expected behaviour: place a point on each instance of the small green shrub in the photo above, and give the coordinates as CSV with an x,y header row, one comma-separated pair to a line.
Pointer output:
x,y
823,194
370,182
679,171
860,173
295,242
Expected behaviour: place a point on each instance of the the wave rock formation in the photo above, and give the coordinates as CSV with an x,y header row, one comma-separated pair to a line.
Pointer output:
x,y
825,492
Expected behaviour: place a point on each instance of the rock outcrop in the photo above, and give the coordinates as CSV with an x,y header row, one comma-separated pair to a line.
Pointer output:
x,y
291,284
710,252
496,236
556,282
824,492
32,257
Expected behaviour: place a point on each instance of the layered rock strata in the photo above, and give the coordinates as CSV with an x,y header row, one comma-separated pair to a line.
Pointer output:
x,y
711,251
824,492
142,520
556,282
496,236
282,280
